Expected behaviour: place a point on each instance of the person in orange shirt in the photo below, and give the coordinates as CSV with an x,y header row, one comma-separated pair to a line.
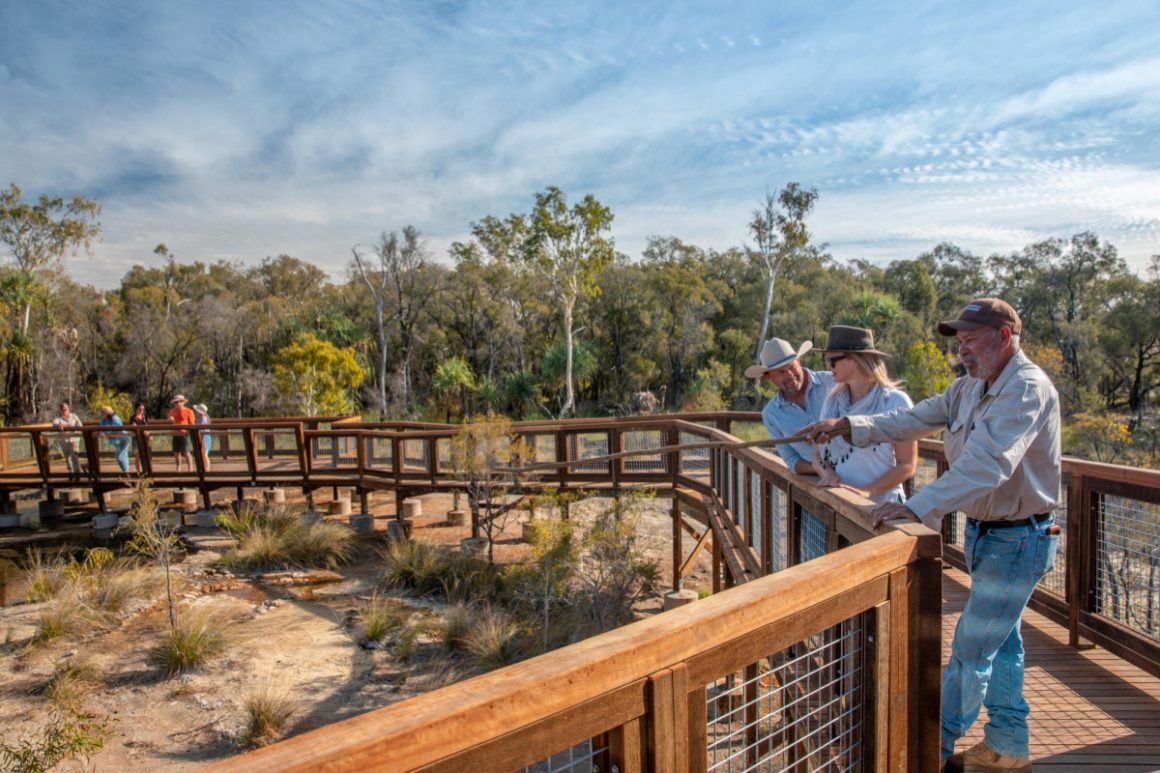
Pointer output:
x,y
179,414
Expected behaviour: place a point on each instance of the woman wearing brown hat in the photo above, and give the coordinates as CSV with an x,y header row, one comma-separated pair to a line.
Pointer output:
x,y
863,387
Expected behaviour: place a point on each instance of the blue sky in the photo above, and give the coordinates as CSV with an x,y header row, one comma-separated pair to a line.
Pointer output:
x,y
240,130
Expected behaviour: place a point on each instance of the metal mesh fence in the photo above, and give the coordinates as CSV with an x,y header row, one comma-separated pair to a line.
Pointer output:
x,y
755,503
585,445
811,536
586,757
1055,581
642,441
742,495
800,709
1128,563
779,546
414,454
696,460
379,452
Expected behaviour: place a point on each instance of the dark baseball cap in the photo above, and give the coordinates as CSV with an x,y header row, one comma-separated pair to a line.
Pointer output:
x,y
983,312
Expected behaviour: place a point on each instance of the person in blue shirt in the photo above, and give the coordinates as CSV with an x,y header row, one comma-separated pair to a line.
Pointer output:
x,y
798,402
118,440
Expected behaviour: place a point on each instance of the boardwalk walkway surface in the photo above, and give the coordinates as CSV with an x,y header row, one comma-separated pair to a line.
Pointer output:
x,y
1090,710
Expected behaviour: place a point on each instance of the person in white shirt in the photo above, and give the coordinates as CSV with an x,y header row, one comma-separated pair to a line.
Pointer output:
x,y
1002,441
876,471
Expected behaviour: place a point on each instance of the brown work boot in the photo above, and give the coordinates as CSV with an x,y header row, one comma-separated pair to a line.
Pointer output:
x,y
981,758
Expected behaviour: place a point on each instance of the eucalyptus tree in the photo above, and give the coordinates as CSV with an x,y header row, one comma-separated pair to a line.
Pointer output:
x,y
395,274
683,305
778,228
569,247
36,236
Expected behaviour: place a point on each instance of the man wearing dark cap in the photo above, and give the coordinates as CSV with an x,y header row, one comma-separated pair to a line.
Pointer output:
x,y
1001,440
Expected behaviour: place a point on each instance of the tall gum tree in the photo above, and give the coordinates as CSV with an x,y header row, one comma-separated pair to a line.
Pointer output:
x,y
779,230
570,247
37,236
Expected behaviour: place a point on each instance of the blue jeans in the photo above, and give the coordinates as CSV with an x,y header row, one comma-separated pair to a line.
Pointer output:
x,y
986,663
121,448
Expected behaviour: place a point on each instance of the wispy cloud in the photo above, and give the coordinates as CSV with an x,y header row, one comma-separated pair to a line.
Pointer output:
x,y
240,131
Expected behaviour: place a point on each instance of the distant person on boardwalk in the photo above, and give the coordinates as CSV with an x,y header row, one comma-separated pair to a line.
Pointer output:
x,y
798,402
69,443
181,415
138,419
877,471
202,413
118,440
1002,442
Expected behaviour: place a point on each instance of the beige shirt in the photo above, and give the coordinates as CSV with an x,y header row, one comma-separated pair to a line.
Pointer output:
x,y
1002,445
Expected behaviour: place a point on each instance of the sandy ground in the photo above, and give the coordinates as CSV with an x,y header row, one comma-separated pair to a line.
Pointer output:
x,y
292,634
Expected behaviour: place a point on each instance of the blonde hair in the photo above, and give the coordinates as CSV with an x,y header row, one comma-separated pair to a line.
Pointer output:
x,y
870,365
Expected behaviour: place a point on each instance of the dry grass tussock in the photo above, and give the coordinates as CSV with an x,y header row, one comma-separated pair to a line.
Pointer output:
x,y
276,537
197,635
268,709
430,569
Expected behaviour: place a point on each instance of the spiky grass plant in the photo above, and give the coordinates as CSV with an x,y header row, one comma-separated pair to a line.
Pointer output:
x,y
70,682
494,639
455,627
276,537
380,616
268,709
197,636
44,574
432,569
63,616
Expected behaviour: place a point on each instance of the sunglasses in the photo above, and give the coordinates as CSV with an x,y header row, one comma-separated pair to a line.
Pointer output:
x,y
834,360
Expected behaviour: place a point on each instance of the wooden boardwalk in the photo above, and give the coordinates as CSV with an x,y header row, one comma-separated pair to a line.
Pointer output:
x,y
1090,710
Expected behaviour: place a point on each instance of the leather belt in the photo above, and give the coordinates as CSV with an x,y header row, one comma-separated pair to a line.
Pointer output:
x,y
986,526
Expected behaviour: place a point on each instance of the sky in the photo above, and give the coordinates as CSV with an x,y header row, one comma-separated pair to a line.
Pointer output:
x,y
244,129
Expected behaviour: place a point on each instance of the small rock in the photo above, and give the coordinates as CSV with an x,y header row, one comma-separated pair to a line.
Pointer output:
x,y
372,645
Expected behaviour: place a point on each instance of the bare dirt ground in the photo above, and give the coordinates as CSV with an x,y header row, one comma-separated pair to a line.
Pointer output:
x,y
293,633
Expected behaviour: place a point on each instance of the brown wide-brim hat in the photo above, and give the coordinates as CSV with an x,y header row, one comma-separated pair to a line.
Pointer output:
x,y
848,339
983,312
177,399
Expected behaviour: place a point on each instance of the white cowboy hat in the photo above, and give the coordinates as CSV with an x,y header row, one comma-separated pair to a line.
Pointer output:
x,y
775,353
177,399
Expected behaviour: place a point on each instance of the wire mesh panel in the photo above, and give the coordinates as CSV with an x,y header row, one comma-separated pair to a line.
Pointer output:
x,y
779,544
811,536
585,445
742,495
755,508
331,452
1128,563
643,441
16,453
800,709
586,757
696,460
276,449
543,447
415,454
379,453
1055,581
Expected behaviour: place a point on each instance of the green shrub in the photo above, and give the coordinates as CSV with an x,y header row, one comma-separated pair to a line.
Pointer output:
x,y
69,733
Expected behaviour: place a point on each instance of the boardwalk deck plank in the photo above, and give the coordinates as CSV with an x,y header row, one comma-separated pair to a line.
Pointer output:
x,y
1090,711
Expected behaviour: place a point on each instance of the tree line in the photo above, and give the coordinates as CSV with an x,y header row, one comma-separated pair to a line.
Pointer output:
x,y
538,315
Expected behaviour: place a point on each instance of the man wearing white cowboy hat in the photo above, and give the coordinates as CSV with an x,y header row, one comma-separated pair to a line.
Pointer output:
x,y
799,398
